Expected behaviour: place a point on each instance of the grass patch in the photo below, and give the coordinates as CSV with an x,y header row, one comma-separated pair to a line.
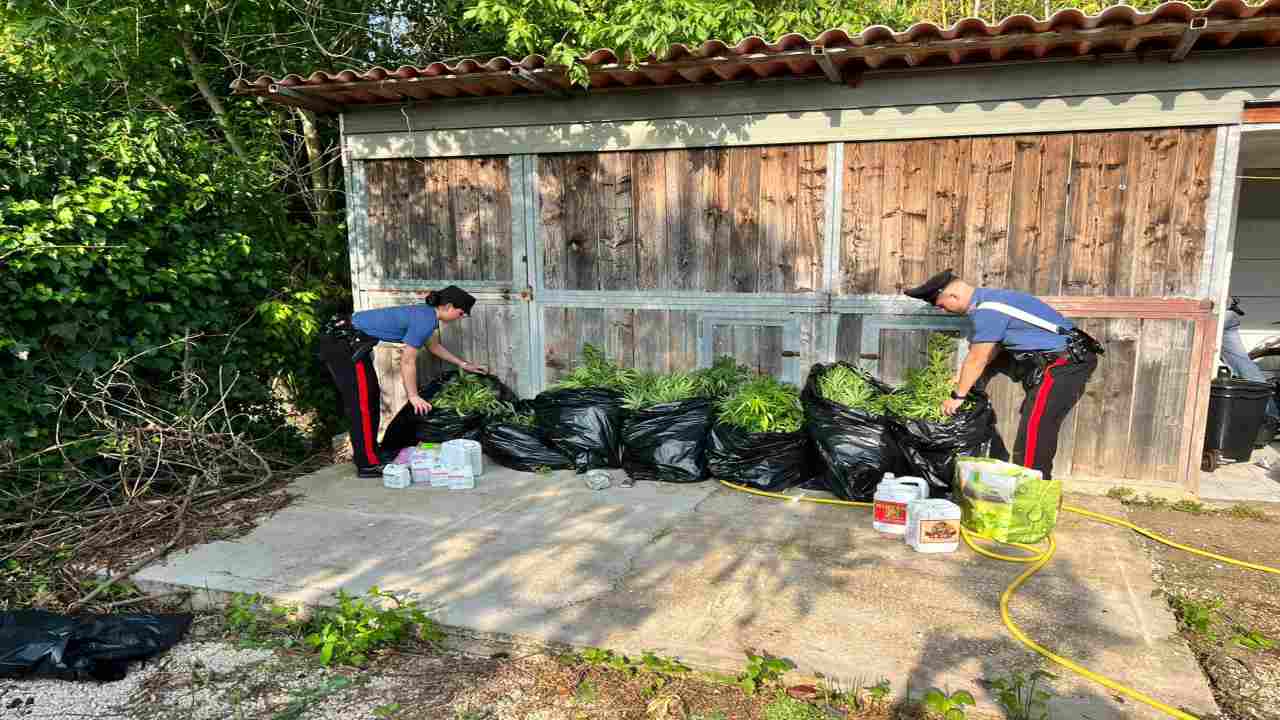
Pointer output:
x,y
1246,512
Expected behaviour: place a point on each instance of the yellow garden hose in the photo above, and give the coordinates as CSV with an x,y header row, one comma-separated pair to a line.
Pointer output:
x,y
1037,560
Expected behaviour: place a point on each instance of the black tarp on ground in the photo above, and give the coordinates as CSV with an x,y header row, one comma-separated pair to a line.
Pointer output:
x,y
585,424
765,461
856,448
440,425
34,643
668,442
930,448
520,447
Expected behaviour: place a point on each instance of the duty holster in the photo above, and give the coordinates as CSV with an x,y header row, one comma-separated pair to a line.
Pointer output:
x,y
340,328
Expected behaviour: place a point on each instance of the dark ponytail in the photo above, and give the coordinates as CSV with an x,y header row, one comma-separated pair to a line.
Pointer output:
x,y
452,295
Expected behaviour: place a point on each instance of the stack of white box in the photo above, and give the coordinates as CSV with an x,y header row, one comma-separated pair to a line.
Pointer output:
x,y
455,465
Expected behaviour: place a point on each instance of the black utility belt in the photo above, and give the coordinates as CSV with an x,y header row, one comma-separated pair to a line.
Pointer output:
x,y
340,328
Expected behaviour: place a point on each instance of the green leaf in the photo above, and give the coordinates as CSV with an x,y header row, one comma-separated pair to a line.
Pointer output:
x,y
963,697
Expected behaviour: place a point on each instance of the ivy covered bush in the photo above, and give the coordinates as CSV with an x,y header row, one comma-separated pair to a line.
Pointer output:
x,y
126,230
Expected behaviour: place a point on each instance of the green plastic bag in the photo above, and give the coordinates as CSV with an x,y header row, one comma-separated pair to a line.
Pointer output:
x,y
1005,502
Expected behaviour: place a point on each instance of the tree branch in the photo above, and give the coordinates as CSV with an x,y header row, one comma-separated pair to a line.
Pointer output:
x,y
202,84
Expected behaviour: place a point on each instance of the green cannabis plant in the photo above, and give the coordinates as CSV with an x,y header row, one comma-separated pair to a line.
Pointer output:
x,y
926,388
596,371
651,388
852,389
722,379
763,405
469,394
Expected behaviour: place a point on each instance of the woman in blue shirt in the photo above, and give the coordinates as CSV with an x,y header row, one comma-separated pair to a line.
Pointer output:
x,y
346,345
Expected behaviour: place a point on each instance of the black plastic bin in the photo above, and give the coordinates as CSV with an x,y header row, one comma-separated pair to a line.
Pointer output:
x,y
1236,411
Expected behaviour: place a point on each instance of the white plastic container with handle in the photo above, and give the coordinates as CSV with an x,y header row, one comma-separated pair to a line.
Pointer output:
x,y
890,503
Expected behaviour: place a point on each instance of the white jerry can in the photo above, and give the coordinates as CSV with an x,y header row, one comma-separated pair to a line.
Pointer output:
x,y
933,526
890,502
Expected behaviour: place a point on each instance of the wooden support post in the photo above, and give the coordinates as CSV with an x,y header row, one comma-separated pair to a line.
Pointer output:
x,y
1189,38
828,67
535,82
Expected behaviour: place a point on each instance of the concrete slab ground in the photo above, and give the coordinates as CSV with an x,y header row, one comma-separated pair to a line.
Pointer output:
x,y
1255,481
703,573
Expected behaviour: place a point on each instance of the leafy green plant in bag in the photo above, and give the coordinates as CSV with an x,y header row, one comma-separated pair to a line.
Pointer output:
x,y
763,405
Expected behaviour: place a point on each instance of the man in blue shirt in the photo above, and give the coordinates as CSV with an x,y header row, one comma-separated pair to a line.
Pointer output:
x,y
1021,336
345,346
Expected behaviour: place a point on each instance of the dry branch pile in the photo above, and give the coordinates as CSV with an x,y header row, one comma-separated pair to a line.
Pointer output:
x,y
156,471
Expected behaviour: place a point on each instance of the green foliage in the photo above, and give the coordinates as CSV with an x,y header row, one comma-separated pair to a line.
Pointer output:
x,y
469,394
1252,639
841,384
123,231
596,371
788,708
648,662
306,699
1121,493
1246,512
1020,697
257,621
722,379
1195,616
763,404
926,388
948,706
651,388
586,693
349,633
762,670
565,30
388,710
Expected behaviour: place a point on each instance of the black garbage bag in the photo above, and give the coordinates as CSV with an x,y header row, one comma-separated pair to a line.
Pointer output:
x,y
409,428
520,447
766,461
668,442
34,643
930,448
585,424
856,448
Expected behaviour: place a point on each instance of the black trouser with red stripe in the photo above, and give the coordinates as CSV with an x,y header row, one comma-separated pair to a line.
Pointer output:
x,y
1047,404
361,396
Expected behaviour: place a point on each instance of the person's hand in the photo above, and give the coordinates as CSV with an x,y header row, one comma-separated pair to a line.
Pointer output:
x,y
951,406
473,368
420,406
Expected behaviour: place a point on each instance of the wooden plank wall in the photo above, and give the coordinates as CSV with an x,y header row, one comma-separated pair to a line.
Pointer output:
x,y
1118,214
717,220
660,340
1127,426
666,340
439,219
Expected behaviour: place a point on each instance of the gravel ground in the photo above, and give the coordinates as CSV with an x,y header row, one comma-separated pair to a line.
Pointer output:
x,y
62,699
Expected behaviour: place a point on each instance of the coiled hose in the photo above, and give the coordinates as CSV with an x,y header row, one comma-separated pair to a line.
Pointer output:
x,y
1037,559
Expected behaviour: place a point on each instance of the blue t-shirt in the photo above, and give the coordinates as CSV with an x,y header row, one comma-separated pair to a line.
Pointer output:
x,y
1012,333
409,324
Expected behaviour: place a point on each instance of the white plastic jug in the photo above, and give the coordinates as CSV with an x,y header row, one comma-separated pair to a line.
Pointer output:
x,y
891,500
933,526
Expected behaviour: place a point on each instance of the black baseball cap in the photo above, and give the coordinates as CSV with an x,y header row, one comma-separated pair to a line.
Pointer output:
x,y
929,291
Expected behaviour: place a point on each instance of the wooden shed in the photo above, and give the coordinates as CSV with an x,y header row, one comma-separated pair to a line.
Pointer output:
x,y
771,200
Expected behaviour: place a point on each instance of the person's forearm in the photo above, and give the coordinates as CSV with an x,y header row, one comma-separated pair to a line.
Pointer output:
x,y
974,364
409,371
443,353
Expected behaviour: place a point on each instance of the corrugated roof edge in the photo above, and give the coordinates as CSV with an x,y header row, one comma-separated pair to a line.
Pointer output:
x,y
532,72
